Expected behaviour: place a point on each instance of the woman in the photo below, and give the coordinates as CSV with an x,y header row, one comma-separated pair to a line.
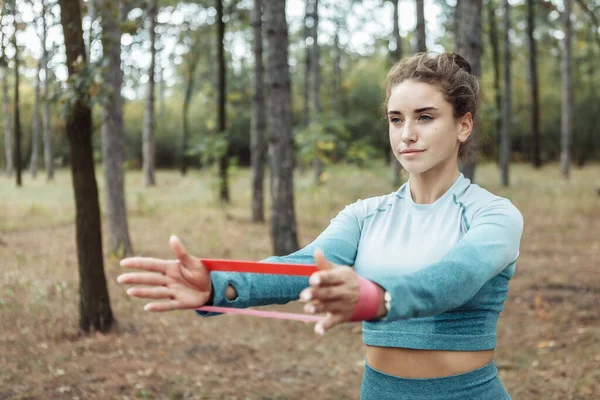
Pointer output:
x,y
430,262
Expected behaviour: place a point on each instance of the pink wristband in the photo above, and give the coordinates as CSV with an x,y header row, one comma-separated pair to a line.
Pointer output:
x,y
369,301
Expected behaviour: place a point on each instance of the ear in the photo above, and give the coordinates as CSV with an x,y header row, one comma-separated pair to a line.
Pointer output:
x,y
465,127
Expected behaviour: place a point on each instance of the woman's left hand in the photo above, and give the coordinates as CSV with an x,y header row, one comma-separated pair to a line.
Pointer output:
x,y
333,290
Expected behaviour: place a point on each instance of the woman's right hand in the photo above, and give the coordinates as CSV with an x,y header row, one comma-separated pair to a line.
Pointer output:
x,y
184,282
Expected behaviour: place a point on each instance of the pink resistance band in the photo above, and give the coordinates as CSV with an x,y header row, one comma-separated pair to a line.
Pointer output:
x,y
366,308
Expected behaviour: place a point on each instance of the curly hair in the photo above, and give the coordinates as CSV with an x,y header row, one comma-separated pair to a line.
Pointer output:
x,y
451,74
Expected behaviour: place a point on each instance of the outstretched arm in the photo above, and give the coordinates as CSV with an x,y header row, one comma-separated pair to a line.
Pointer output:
x,y
490,246
339,242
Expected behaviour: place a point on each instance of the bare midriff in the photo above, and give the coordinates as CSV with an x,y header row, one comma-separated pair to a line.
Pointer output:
x,y
414,363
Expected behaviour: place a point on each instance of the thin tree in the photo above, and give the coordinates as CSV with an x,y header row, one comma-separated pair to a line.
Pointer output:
x,y
318,165
506,103
467,26
307,32
17,110
35,128
47,134
420,29
94,305
493,37
8,149
567,93
221,112
536,156
279,127
395,47
191,64
257,128
113,135
148,146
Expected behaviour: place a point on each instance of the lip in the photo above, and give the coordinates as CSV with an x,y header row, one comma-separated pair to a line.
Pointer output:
x,y
411,151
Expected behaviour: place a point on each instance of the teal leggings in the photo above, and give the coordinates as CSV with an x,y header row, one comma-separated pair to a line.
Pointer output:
x,y
479,384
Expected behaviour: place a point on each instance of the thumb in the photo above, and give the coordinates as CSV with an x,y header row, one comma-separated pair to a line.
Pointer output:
x,y
321,261
180,252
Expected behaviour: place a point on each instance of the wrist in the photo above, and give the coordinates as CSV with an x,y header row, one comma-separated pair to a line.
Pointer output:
x,y
370,299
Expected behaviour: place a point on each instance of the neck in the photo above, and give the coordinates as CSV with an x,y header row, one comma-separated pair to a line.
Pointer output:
x,y
427,187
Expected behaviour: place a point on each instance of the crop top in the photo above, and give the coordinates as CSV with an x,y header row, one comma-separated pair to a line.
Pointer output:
x,y
445,264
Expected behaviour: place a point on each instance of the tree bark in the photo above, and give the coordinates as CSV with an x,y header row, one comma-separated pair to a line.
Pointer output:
x,y
567,93
536,156
48,156
307,65
94,306
395,55
17,110
221,112
493,36
148,145
35,129
506,101
113,136
257,129
467,20
279,125
193,62
8,148
420,30
318,164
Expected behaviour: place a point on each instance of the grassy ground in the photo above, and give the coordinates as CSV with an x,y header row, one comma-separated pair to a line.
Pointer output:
x,y
548,335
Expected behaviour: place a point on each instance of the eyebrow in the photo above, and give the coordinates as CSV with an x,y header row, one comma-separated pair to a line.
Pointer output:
x,y
418,110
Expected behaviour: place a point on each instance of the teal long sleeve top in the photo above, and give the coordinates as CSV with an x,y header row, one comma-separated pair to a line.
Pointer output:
x,y
446,265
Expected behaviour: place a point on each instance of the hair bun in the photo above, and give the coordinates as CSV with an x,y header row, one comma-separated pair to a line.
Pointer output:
x,y
461,62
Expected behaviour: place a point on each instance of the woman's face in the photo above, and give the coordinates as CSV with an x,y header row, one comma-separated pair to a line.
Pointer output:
x,y
424,134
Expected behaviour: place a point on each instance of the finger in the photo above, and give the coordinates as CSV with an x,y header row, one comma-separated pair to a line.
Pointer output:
x,y
321,261
329,322
327,293
331,277
142,278
147,264
179,250
318,307
164,306
159,292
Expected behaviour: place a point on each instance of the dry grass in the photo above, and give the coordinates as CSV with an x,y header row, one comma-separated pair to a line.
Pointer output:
x,y
549,333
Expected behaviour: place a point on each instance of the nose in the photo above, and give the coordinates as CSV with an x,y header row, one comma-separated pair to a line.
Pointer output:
x,y
409,133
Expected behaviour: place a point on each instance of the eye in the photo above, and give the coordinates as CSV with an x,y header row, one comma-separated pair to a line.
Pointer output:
x,y
425,118
395,120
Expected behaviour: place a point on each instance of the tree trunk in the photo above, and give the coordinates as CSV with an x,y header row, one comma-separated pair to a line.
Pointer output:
x,y
467,20
318,164
337,95
35,129
221,112
18,134
421,38
113,136
567,95
94,306
257,129
506,101
48,157
8,149
496,64
186,107
395,55
536,156
148,145
307,65
279,125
